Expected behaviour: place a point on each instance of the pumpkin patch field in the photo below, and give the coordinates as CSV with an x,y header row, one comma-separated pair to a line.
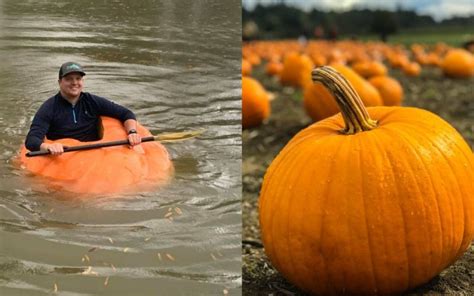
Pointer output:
x,y
329,208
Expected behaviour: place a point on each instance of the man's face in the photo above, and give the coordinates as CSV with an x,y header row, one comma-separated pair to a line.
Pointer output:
x,y
71,85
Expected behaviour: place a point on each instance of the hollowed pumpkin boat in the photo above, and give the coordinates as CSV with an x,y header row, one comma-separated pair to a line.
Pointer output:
x,y
105,170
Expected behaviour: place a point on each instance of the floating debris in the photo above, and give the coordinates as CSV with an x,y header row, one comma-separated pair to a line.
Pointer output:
x,y
159,256
125,250
85,258
110,240
51,210
55,288
92,249
147,239
113,267
170,257
213,257
225,291
169,214
89,271
106,281
178,211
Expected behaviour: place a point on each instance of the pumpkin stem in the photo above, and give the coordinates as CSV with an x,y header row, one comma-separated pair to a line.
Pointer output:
x,y
353,111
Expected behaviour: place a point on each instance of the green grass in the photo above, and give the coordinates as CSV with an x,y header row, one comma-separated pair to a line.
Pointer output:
x,y
454,36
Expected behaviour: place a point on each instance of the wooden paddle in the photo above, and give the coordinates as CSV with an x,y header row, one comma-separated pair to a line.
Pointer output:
x,y
168,137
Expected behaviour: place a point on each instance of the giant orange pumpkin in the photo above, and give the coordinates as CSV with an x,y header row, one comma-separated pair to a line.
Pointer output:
x,y
255,103
370,201
106,170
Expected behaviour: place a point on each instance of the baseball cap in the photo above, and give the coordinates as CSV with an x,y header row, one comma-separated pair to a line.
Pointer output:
x,y
70,67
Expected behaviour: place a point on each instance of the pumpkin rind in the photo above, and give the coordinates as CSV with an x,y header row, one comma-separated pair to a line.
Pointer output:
x,y
373,212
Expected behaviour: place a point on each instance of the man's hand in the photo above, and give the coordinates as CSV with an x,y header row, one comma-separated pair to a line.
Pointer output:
x,y
54,148
134,139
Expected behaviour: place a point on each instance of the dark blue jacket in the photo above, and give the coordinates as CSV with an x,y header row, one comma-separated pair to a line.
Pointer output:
x,y
57,119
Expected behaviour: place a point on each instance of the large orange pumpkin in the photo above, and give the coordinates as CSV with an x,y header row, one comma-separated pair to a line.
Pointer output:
x,y
319,103
370,201
458,63
106,170
389,88
255,103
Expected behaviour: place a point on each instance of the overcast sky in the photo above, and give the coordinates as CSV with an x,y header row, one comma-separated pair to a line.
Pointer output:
x,y
438,9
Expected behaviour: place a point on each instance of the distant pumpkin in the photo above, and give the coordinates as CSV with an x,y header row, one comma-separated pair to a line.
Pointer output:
x,y
319,103
412,69
458,63
369,69
296,70
273,68
369,94
246,68
255,103
389,88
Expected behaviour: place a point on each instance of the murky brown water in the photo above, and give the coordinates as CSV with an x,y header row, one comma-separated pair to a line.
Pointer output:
x,y
176,63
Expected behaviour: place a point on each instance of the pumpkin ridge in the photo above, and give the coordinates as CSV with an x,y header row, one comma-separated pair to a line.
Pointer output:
x,y
300,157
370,241
465,208
383,160
458,144
327,272
313,154
331,267
425,228
354,143
278,206
445,245
415,143
389,162
458,187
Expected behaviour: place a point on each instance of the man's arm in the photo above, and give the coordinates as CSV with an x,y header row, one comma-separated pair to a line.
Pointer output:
x,y
131,128
38,129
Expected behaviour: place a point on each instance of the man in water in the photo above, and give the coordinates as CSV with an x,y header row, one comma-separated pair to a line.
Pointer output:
x,y
72,113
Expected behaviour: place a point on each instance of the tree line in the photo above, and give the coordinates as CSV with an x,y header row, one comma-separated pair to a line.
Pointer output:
x,y
280,21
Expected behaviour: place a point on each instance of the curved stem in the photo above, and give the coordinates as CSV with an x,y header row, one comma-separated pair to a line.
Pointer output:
x,y
353,111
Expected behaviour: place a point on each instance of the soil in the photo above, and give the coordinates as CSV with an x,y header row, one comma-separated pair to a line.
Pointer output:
x,y
451,99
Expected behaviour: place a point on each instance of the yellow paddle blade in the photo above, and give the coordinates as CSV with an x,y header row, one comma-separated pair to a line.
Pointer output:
x,y
179,136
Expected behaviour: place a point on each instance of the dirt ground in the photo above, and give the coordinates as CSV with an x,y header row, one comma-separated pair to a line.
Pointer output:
x,y
451,99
